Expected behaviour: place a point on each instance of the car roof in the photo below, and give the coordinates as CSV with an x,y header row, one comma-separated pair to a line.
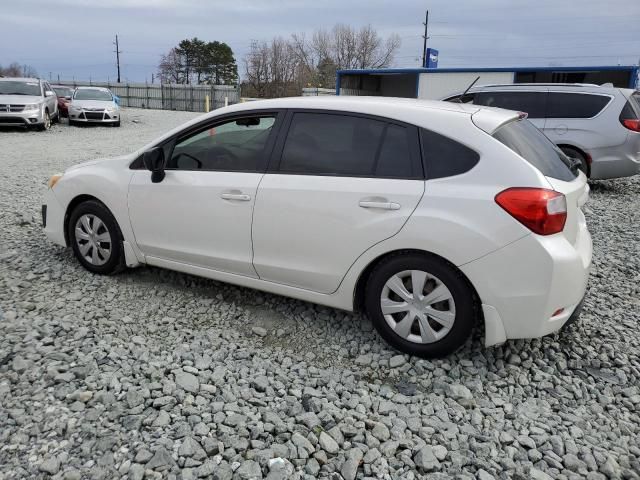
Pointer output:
x,y
408,110
93,88
20,79
555,87
390,107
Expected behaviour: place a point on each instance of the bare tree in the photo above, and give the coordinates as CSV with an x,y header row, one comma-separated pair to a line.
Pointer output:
x,y
274,69
170,68
17,70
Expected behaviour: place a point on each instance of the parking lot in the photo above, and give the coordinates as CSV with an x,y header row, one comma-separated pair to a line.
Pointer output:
x,y
157,374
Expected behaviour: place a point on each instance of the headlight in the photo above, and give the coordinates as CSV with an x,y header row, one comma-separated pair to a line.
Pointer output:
x,y
74,107
31,107
54,179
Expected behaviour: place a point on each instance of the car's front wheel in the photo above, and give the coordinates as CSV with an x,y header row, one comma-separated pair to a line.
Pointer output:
x,y
420,305
96,238
46,123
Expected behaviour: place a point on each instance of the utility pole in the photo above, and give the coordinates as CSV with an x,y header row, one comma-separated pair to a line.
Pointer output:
x,y
425,36
118,52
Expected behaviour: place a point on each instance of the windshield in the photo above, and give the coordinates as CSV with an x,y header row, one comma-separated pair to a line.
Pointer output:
x,y
63,91
16,87
91,94
531,144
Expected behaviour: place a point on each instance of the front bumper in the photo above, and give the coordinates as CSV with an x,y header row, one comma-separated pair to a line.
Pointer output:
x,y
531,287
53,218
94,116
21,119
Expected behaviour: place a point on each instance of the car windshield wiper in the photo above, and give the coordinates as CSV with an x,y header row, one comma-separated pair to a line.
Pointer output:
x,y
15,93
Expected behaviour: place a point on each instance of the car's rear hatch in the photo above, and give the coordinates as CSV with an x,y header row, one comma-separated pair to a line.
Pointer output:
x,y
561,172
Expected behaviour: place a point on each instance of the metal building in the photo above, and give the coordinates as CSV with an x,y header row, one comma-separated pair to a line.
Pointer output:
x,y
435,83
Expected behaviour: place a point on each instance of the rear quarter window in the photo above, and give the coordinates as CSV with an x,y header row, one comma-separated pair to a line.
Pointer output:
x,y
526,140
575,105
444,157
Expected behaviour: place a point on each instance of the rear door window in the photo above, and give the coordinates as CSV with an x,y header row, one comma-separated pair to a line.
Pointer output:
x,y
526,140
331,144
533,103
575,105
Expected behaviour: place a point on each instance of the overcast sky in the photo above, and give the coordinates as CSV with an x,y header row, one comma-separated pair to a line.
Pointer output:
x,y
73,38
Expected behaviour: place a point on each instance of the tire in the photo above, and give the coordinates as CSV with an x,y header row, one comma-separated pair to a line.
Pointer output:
x,y
87,226
421,335
46,125
573,153
71,123
117,124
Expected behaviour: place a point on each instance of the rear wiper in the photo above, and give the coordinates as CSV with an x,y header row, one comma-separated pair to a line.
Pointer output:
x,y
574,164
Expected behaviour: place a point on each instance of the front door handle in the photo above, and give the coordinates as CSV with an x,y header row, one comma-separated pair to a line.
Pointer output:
x,y
380,205
236,196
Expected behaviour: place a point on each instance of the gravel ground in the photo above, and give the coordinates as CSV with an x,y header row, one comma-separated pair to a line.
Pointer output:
x,y
155,374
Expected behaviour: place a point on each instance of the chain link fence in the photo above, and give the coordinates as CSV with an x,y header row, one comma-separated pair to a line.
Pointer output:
x,y
192,98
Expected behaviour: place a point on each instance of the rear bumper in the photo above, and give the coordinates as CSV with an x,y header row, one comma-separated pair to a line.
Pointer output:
x,y
624,162
531,287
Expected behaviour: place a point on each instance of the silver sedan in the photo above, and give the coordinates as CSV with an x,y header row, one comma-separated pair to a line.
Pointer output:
x,y
94,105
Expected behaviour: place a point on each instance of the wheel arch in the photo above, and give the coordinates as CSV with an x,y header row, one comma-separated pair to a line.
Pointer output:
x,y
359,290
77,200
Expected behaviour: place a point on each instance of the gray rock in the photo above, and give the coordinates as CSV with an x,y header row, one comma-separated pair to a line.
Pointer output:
x,y
49,465
397,361
259,331
260,383
328,444
299,441
187,381
349,468
426,460
248,470
161,460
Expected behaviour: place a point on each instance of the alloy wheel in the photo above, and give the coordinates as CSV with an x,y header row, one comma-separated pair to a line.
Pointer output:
x,y
93,239
418,306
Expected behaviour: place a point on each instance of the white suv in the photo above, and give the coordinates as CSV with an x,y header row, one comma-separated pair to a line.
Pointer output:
x,y
597,125
432,215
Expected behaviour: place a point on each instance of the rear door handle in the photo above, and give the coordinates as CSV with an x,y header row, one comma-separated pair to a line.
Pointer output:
x,y
380,205
236,196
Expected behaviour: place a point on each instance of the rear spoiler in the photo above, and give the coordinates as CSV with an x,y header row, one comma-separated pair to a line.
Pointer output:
x,y
491,119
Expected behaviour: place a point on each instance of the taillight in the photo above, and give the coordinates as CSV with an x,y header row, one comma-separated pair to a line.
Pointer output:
x,y
632,124
540,210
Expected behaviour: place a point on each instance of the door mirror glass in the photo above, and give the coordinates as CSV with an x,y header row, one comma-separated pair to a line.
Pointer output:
x,y
154,161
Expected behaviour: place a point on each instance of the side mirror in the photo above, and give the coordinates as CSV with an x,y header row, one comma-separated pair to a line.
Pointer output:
x,y
68,97
49,93
154,161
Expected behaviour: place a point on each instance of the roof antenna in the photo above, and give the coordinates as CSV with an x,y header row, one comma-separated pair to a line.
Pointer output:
x,y
468,88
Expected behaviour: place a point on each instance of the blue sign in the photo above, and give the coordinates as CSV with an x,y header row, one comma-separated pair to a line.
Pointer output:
x,y
432,58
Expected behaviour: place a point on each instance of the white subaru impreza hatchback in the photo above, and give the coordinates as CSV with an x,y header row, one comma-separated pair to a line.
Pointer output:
x,y
433,216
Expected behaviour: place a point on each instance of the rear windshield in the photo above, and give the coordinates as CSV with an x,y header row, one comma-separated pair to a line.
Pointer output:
x,y
531,144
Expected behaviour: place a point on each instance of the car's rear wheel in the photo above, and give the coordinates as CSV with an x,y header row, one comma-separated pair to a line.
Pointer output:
x,y
96,238
46,124
573,153
420,304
